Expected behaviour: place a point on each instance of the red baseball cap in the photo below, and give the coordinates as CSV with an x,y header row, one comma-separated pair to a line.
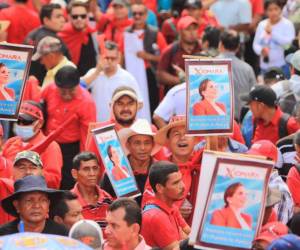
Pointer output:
x,y
185,22
272,231
264,148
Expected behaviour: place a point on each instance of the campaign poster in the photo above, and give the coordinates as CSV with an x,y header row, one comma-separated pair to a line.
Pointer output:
x,y
235,204
14,67
115,162
209,96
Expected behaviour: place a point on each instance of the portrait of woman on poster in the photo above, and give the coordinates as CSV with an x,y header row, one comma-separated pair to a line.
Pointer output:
x,y
208,92
231,215
6,94
118,172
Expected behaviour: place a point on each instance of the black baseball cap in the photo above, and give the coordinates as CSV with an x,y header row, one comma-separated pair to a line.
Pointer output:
x,y
261,93
67,77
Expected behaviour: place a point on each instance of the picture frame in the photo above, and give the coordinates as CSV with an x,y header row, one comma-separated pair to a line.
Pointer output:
x,y
15,61
209,96
115,162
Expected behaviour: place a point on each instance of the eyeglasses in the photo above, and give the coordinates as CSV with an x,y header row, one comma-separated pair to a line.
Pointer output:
x,y
138,13
83,16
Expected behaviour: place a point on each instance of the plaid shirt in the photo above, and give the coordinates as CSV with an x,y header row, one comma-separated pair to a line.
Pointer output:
x,y
285,207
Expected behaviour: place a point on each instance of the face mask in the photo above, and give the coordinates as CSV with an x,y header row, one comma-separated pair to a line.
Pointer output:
x,y
25,132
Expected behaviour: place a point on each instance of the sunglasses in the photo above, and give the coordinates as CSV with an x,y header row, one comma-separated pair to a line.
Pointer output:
x,y
83,16
138,13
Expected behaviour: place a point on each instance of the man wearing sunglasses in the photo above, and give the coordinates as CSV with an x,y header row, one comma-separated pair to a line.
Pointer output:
x,y
79,37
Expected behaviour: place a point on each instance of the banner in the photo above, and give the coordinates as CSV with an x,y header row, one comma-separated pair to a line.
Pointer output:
x,y
209,96
230,201
14,67
115,162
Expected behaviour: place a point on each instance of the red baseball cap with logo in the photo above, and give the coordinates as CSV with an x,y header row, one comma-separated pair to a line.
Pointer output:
x,y
185,22
264,148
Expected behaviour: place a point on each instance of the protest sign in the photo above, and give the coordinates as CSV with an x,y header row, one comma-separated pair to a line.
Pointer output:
x,y
209,106
230,201
115,162
14,67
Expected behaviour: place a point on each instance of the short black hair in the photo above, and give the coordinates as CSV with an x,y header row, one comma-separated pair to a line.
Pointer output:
x,y
230,39
83,156
133,213
110,45
279,3
60,207
212,35
47,10
159,172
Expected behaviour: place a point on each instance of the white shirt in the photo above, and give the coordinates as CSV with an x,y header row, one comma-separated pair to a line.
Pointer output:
x,y
174,103
103,87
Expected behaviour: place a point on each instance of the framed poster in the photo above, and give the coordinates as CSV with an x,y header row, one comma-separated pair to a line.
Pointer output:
x,y
209,97
14,67
115,162
234,191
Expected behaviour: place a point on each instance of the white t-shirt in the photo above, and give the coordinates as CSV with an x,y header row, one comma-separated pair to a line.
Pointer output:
x,y
174,103
103,87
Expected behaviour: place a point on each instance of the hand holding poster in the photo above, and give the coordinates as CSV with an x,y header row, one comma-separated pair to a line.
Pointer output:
x,y
209,96
14,67
234,191
115,162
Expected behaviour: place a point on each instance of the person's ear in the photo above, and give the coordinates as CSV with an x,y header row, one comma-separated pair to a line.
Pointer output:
x,y
58,219
136,228
159,188
16,205
74,173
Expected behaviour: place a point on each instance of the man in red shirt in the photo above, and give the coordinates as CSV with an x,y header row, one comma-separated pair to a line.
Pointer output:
x,y
21,19
267,115
162,224
170,69
29,134
94,200
63,99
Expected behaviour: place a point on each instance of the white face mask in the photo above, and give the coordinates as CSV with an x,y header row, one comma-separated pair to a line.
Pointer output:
x,y
25,132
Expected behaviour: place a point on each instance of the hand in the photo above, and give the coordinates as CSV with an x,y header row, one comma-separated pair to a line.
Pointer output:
x,y
142,54
177,69
265,52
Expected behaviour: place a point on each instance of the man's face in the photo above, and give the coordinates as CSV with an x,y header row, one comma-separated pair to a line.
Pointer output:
x,y
194,12
87,174
109,60
140,147
139,14
48,60
125,109
79,18
180,144
67,94
120,11
24,168
74,214
56,21
117,231
174,187
190,34
256,109
32,207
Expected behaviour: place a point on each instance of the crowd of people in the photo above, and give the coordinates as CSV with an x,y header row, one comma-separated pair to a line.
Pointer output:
x,y
83,76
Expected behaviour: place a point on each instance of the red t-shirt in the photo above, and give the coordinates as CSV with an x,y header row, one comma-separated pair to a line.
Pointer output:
x,y
293,182
270,131
161,224
59,110
22,21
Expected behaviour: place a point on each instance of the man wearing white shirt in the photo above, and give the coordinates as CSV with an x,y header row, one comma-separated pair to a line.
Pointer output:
x,y
106,77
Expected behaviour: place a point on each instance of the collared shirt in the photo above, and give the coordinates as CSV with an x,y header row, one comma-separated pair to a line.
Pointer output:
x,y
161,225
51,156
49,78
95,212
141,246
285,207
270,131
59,110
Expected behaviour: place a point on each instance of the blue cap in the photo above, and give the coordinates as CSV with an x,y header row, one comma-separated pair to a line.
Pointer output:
x,y
286,242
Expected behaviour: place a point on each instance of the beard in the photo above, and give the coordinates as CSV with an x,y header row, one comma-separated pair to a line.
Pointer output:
x,y
125,122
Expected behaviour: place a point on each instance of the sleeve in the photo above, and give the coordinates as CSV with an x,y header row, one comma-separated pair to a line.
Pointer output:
x,y
166,109
52,160
286,36
293,182
292,125
257,46
87,115
245,14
